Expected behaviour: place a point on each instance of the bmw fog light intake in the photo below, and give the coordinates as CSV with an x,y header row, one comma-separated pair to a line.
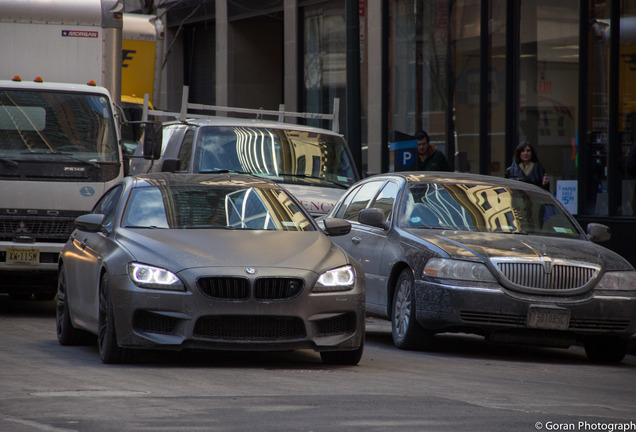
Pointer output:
x,y
339,279
443,268
146,276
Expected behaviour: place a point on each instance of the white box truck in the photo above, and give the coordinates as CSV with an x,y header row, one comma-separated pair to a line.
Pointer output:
x,y
59,137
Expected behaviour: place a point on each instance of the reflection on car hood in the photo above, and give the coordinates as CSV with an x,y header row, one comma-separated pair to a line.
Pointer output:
x,y
181,249
469,245
317,200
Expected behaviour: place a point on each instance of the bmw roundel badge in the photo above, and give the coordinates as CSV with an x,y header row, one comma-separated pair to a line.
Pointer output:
x,y
250,270
87,191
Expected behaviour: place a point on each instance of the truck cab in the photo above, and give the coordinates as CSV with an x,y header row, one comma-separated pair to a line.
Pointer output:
x,y
59,152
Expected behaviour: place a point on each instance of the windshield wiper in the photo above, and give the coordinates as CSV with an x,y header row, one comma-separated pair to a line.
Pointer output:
x,y
145,227
68,155
316,178
223,171
9,162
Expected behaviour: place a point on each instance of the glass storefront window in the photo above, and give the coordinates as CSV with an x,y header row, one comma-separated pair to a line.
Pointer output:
x,y
596,198
549,35
465,52
324,60
497,88
627,110
418,68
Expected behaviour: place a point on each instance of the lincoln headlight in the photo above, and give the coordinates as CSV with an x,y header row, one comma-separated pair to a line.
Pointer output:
x,y
442,268
338,279
146,276
618,281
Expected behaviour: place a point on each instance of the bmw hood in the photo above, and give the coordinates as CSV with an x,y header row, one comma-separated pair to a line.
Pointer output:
x,y
177,250
317,200
471,245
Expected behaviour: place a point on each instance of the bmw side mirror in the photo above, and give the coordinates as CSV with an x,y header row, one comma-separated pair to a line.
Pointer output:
x,y
598,233
373,217
336,227
91,222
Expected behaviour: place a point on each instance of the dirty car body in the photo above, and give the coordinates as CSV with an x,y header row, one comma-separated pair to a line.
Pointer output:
x,y
229,262
450,252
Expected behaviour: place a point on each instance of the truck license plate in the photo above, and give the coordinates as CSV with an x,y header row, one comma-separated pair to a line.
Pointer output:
x,y
23,256
548,318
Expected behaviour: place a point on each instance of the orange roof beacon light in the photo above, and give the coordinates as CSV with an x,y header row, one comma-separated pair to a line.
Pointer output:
x,y
91,83
38,79
17,78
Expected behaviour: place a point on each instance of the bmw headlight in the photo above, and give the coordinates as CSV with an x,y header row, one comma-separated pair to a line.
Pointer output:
x,y
339,279
443,268
618,281
146,276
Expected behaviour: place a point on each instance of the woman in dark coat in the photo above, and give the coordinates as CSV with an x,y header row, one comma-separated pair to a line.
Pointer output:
x,y
526,167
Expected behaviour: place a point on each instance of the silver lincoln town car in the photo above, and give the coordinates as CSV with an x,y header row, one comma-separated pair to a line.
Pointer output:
x,y
450,252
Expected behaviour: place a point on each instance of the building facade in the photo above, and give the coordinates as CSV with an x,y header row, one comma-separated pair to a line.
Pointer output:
x,y
479,75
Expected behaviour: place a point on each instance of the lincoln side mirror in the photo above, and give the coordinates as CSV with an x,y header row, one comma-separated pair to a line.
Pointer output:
x,y
373,217
598,233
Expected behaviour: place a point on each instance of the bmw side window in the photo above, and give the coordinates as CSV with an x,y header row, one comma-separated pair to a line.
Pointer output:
x,y
107,206
185,153
385,199
361,199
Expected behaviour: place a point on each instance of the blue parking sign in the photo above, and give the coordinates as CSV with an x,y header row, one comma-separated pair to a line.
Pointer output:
x,y
406,158
404,154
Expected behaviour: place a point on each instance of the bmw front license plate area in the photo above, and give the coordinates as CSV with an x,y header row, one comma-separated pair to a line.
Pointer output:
x,y
23,256
548,318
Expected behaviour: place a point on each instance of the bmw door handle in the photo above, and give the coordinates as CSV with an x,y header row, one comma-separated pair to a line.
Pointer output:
x,y
356,239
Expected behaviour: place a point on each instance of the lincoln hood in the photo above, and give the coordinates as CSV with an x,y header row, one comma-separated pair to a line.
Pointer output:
x,y
177,250
471,245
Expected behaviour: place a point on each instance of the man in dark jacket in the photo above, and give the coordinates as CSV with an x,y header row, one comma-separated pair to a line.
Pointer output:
x,y
429,157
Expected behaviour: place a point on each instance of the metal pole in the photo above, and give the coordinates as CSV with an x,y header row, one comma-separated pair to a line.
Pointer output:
x,y
353,111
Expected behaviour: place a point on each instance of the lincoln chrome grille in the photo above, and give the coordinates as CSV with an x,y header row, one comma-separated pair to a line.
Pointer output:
x,y
546,276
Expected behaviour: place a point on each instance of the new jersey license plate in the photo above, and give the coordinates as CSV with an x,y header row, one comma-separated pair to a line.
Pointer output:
x,y
23,256
548,318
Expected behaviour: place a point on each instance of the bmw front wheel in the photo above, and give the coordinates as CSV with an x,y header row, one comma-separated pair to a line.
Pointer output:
x,y
109,350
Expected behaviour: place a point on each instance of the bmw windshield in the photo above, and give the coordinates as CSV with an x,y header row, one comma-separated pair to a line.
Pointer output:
x,y
222,207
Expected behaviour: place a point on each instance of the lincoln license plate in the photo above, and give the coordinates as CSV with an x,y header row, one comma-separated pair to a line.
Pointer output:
x,y
23,256
548,318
